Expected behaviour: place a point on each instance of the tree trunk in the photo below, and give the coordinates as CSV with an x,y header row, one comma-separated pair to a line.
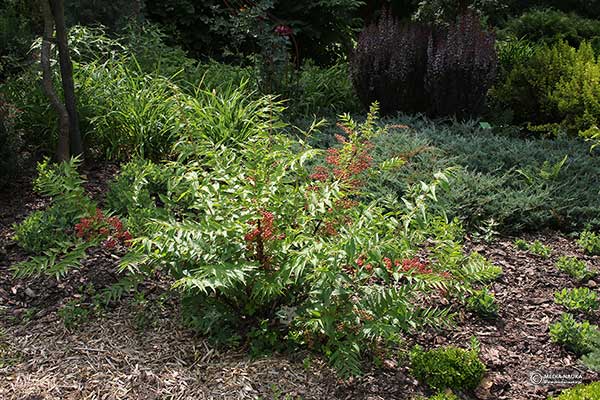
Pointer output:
x,y
62,149
66,72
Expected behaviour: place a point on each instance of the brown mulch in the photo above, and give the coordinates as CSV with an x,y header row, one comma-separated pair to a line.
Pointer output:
x,y
110,357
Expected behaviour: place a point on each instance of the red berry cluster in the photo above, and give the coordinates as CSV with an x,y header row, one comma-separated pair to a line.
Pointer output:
x,y
407,265
99,226
348,171
264,228
413,265
262,232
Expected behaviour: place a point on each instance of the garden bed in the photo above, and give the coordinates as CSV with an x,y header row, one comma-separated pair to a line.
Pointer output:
x,y
112,357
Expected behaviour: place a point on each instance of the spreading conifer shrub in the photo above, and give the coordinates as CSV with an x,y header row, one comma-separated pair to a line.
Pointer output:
x,y
412,68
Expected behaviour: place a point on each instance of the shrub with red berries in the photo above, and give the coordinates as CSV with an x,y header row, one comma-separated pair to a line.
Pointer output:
x,y
256,242
108,230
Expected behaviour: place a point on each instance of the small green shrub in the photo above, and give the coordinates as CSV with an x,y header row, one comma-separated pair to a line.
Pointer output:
x,y
590,391
483,303
535,247
444,396
574,336
447,367
540,249
576,268
42,229
74,314
521,244
578,299
555,90
590,242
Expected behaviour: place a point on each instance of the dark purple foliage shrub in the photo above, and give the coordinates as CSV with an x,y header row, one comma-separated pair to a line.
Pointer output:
x,y
461,67
389,65
412,68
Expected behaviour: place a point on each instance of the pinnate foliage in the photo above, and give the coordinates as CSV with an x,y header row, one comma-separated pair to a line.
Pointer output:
x,y
251,234
57,238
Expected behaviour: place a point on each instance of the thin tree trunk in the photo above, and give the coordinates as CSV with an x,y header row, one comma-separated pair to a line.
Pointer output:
x,y
62,149
66,72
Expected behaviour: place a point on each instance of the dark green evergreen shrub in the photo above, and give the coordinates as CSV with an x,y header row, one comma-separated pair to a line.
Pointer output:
x,y
389,64
461,67
447,367
550,26
487,186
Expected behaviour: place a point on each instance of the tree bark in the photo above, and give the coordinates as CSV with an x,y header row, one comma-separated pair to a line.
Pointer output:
x,y
62,149
66,72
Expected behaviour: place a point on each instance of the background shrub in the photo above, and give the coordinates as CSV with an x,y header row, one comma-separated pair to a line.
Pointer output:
x,y
461,67
556,89
550,26
389,64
